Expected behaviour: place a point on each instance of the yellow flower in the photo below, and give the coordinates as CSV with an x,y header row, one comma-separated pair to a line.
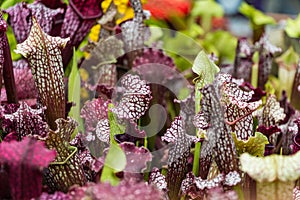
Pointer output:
x,y
125,11
94,34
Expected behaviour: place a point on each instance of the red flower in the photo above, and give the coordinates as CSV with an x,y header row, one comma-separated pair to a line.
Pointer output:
x,y
165,9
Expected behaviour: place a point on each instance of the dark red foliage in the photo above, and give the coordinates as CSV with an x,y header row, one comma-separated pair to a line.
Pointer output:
x,y
93,111
268,131
53,4
26,121
67,169
179,151
220,143
20,18
243,60
137,157
25,161
135,99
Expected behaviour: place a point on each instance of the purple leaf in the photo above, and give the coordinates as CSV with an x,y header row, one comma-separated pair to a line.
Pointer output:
x,y
289,111
79,19
187,111
44,55
24,81
53,4
133,130
232,178
243,60
188,187
135,99
258,93
25,160
12,136
27,121
103,79
266,54
238,111
126,190
154,63
296,193
66,170
103,130
93,111
178,155
176,132
219,134
268,131
197,187
295,96
6,67
134,32
271,114
152,55
107,75
157,179
137,157
25,88
206,158
20,18
132,133
91,165
219,194
200,121
3,45
56,196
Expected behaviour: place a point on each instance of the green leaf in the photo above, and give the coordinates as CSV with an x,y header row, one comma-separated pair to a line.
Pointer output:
x,y
194,30
205,68
115,160
222,44
254,145
115,127
74,94
289,59
207,8
255,16
12,43
292,28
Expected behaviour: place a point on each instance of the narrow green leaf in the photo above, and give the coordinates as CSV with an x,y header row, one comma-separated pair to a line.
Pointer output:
x,y
115,160
254,145
205,68
255,16
200,8
115,127
74,95
199,83
292,28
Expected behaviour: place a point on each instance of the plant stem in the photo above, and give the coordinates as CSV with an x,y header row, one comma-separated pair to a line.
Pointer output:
x,y
8,73
196,159
198,85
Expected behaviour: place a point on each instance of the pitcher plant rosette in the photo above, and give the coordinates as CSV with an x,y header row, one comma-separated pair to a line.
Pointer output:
x,y
121,99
